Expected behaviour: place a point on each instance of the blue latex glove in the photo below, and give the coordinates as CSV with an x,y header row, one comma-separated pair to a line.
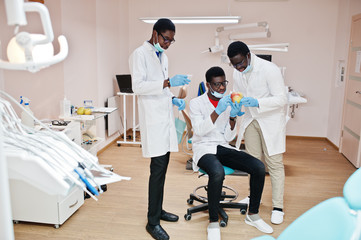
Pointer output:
x,y
180,103
223,103
179,80
235,109
249,102
240,113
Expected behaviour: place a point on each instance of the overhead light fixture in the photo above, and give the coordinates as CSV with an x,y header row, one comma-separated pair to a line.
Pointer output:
x,y
251,35
261,0
196,20
273,47
241,26
262,34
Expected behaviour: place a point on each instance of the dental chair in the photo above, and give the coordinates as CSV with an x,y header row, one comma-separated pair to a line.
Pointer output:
x,y
228,194
227,197
333,219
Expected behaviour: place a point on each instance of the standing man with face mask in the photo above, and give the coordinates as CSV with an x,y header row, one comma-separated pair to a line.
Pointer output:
x,y
149,70
263,126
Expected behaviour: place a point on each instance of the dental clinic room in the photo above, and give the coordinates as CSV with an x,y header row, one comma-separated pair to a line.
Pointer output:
x,y
168,119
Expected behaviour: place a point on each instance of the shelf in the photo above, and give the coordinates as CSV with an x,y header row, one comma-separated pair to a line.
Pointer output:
x,y
92,147
91,117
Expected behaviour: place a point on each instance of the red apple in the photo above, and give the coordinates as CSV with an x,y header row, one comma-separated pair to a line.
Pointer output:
x,y
236,96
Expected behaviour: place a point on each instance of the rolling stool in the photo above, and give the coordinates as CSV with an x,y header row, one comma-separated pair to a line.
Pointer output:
x,y
225,202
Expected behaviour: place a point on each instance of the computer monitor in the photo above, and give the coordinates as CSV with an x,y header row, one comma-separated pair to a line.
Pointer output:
x,y
124,83
265,57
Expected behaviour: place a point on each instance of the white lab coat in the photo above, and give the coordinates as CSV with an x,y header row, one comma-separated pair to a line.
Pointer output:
x,y
266,84
206,134
156,120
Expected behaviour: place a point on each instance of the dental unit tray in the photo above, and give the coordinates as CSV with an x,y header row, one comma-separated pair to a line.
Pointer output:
x,y
48,173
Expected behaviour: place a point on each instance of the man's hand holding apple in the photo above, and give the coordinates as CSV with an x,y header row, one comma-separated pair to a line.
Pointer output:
x,y
236,109
236,96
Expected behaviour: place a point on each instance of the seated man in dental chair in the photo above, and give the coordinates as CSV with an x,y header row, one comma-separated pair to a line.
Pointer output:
x,y
214,117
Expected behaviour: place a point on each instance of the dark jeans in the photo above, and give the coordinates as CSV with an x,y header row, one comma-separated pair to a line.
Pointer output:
x,y
213,164
158,170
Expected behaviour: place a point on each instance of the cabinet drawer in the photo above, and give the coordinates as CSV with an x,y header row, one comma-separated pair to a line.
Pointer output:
x,y
70,204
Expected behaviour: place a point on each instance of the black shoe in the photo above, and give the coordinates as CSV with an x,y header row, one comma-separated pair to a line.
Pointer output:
x,y
169,217
157,232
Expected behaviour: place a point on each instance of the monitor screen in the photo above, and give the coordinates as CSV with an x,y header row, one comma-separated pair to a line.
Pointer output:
x,y
265,57
125,83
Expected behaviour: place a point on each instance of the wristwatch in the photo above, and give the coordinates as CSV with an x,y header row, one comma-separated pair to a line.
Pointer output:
x,y
233,119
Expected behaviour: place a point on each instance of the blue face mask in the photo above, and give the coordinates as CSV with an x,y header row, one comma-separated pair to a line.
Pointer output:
x,y
158,47
248,67
217,94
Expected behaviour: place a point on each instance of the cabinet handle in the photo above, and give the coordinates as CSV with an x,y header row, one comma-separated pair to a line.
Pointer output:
x,y
359,92
73,204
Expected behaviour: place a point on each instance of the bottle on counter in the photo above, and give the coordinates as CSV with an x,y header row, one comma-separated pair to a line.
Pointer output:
x,y
27,116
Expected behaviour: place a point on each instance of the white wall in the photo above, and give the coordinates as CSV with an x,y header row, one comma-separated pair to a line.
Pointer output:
x,y
309,26
44,88
98,40
346,9
97,35
102,34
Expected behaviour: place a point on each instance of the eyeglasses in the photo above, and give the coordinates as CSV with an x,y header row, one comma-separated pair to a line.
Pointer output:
x,y
238,65
59,123
166,40
218,84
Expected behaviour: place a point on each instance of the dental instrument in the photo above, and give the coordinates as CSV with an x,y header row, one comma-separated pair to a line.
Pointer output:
x,y
49,158
64,144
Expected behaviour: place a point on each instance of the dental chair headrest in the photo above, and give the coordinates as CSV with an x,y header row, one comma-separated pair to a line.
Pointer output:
x,y
352,190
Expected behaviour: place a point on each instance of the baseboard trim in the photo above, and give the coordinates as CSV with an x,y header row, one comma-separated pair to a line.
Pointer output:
x,y
108,145
314,138
289,137
306,137
333,145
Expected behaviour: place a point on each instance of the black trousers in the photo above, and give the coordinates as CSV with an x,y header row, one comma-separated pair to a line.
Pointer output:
x,y
213,164
158,170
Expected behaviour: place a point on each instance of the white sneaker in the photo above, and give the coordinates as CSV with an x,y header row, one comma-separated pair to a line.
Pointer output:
x,y
245,200
259,224
277,217
214,232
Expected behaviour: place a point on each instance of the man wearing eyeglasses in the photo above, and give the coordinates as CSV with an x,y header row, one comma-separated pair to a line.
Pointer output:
x,y
263,126
214,117
150,82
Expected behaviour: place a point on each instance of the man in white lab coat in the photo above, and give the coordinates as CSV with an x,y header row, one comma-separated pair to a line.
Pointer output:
x,y
263,126
214,117
150,82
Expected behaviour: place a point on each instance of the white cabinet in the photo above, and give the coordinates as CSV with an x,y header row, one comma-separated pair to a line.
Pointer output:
x,y
87,124
30,204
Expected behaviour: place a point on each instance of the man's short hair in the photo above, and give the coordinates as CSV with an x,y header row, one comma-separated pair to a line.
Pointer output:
x,y
164,24
214,72
236,48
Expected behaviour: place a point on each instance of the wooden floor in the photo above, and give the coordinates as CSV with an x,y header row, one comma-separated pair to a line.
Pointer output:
x,y
315,171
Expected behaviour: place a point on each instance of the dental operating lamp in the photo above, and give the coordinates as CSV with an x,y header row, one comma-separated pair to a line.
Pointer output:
x,y
26,51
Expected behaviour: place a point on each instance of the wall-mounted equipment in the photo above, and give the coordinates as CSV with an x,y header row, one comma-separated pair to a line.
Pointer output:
x,y
26,51
273,47
262,34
